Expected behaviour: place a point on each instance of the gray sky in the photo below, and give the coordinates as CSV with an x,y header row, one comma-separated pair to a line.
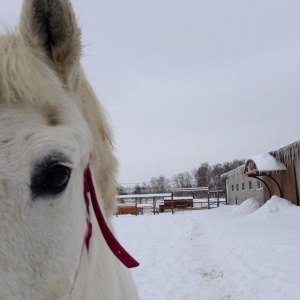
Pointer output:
x,y
188,81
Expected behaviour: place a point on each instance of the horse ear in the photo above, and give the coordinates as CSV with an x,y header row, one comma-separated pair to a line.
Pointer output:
x,y
51,26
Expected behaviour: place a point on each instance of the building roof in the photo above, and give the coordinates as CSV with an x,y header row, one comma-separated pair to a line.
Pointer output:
x,y
288,153
268,162
235,172
261,164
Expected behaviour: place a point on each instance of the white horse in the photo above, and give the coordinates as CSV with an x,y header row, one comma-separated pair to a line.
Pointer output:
x,y
51,129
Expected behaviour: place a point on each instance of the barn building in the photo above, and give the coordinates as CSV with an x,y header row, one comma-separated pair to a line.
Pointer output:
x,y
240,188
265,175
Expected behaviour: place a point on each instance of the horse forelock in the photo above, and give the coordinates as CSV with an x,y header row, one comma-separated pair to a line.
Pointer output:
x,y
25,75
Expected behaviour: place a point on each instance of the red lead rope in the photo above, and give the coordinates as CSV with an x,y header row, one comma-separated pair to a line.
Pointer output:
x,y
111,241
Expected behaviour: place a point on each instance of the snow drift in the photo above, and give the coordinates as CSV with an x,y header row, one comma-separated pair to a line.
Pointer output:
x,y
246,208
273,206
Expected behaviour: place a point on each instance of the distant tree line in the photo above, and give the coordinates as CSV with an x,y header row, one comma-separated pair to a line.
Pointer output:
x,y
205,175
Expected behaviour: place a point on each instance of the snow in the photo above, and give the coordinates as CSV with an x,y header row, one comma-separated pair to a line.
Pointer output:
x,y
266,162
232,252
247,207
233,173
288,153
274,205
143,196
179,198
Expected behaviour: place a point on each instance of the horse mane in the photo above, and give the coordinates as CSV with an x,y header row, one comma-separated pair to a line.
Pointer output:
x,y
28,77
104,166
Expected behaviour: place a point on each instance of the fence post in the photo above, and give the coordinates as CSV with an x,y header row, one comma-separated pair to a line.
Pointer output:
x,y
172,194
208,202
136,210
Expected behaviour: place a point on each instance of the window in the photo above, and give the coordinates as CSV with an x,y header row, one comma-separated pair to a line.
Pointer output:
x,y
243,186
250,185
237,186
259,184
232,187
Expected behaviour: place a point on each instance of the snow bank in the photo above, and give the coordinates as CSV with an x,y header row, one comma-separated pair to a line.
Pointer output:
x,y
273,206
246,208
213,255
261,250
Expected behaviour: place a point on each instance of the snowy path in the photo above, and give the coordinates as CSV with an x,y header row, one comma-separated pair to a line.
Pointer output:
x,y
212,281
230,253
176,256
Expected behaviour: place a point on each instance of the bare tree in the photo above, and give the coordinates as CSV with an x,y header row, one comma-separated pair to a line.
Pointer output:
x,y
160,184
121,190
183,180
146,188
137,189
202,175
216,181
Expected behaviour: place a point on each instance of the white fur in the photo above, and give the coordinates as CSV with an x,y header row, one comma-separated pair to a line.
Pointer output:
x,y
47,106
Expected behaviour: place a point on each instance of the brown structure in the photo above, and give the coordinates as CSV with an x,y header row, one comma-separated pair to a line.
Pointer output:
x,y
290,180
187,190
267,169
127,210
279,172
139,197
179,204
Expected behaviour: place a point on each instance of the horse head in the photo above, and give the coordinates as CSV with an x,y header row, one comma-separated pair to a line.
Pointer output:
x,y
51,128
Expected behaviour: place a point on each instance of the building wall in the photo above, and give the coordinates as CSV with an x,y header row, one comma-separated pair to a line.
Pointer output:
x,y
289,184
297,171
272,185
237,196
288,180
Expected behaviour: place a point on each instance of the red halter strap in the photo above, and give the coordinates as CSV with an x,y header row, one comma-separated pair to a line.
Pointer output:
x,y
111,241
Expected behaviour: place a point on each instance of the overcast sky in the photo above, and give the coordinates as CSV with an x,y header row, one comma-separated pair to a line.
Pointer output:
x,y
190,81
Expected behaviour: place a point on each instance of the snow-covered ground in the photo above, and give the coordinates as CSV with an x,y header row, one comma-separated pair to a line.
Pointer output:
x,y
243,252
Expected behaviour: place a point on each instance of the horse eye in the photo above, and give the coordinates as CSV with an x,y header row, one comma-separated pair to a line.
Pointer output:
x,y
49,180
56,179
